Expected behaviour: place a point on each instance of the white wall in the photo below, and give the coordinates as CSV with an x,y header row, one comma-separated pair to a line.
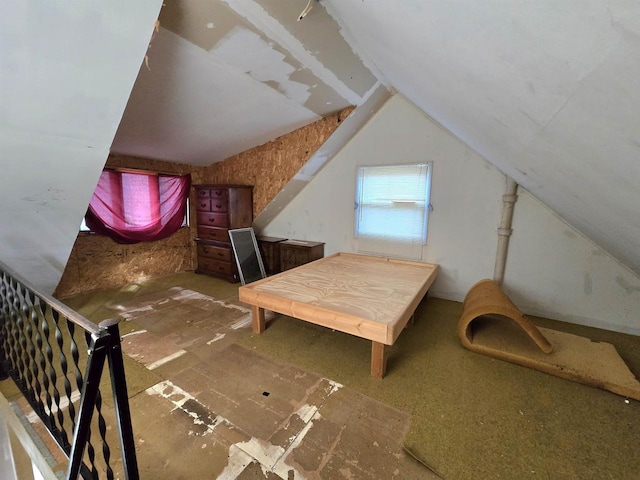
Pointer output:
x,y
66,70
555,271
544,260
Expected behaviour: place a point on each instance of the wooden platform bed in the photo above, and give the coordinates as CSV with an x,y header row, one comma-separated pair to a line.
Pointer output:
x,y
369,297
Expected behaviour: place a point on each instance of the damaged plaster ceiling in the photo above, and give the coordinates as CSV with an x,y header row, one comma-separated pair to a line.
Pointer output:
x,y
547,91
225,76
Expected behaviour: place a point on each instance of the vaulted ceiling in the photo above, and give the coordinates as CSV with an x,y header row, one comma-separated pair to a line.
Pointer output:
x,y
547,91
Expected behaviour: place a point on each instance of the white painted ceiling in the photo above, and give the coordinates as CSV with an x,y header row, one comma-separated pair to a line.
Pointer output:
x,y
546,90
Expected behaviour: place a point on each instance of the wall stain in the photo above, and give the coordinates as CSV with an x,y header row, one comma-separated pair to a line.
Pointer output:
x,y
626,285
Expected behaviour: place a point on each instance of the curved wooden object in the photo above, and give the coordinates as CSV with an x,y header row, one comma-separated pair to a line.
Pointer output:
x,y
487,298
482,329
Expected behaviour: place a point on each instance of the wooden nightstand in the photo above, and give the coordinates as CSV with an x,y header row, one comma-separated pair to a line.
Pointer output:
x,y
294,253
270,251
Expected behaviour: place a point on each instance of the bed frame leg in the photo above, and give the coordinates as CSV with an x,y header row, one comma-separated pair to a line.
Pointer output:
x,y
257,319
378,360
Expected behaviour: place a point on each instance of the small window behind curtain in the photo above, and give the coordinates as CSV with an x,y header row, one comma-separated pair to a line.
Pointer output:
x,y
138,207
392,205
185,220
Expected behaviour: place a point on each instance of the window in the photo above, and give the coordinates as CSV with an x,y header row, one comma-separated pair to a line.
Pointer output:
x,y
392,206
185,220
131,207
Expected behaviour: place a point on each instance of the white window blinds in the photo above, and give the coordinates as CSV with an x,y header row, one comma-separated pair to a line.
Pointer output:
x,y
392,205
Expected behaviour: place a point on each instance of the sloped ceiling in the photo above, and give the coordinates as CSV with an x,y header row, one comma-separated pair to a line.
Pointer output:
x,y
547,91
225,76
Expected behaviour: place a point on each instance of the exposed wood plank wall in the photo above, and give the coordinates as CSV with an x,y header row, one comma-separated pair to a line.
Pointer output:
x,y
97,262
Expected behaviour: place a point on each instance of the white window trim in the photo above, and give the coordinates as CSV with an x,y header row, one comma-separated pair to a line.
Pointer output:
x,y
388,246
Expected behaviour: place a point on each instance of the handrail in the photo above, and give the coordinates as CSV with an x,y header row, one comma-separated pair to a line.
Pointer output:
x,y
44,345
71,314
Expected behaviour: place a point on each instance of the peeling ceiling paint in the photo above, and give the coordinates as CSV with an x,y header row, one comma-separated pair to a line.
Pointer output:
x,y
226,76
250,53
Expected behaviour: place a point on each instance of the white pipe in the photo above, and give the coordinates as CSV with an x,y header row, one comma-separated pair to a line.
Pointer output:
x,y
504,231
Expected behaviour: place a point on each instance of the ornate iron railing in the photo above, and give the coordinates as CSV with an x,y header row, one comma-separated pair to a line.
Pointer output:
x,y
56,358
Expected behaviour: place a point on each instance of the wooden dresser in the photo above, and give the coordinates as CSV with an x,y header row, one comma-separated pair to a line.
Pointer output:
x,y
270,251
298,252
220,208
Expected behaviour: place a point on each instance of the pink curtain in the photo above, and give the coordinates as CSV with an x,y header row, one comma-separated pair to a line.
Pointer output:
x,y
138,207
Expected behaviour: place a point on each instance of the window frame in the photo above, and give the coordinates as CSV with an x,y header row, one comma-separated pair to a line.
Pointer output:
x,y
360,169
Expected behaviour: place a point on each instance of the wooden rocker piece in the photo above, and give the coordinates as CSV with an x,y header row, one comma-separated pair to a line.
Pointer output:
x,y
492,325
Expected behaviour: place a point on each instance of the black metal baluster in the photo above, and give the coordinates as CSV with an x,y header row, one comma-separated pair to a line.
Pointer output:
x,y
91,452
56,392
102,428
121,401
75,355
76,366
28,346
27,376
65,375
9,337
16,352
48,371
4,319
82,432
37,315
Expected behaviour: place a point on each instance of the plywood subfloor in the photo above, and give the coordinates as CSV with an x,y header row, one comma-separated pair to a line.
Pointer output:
x,y
220,410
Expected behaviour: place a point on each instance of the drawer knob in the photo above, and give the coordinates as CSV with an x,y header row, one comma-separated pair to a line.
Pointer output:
x,y
218,206
211,220
203,205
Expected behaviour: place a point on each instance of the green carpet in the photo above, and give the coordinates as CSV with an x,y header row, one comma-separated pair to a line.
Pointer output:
x,y
474,417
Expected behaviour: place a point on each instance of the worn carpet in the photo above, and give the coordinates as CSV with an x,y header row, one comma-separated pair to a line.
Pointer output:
x,y
474,417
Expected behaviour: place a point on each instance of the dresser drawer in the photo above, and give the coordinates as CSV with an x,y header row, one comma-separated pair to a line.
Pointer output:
x,y
219,193
213,219
216,253
203,204
215,266
218,205
215,234
203,193
208,204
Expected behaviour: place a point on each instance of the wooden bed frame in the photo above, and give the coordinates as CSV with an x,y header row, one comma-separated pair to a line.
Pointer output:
x,y
369,297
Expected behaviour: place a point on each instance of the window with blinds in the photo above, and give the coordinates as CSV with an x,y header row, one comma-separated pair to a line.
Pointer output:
x,y
392,207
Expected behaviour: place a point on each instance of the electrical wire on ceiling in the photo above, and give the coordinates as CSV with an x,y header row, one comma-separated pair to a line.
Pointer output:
x,y
306,10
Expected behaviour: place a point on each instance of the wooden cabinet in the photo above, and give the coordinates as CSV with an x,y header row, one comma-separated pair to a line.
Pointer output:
x,y
270,252
298,252
220,208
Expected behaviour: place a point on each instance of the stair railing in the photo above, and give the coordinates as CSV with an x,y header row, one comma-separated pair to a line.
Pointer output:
x,y
56,357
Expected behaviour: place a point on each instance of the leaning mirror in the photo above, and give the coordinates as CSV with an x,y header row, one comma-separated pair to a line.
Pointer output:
x,y
248,259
